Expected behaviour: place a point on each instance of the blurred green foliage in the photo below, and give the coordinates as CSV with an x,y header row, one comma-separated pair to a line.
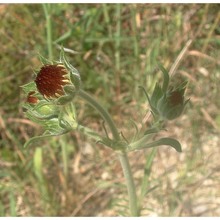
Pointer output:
x,y
117,48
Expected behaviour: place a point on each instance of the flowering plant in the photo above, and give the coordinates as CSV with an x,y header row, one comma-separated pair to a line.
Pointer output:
x,y
50,102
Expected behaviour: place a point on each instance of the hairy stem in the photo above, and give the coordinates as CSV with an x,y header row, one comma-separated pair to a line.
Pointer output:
x,y
122,154
129,182
105,115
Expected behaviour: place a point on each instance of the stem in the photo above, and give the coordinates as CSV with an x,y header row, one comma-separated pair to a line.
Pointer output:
x,y
105,115
88,132
122,155
47,10
129,182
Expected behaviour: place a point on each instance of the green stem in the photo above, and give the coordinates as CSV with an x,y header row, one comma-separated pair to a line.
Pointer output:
x,y
105,115
122,155
88,132
129,182
47,12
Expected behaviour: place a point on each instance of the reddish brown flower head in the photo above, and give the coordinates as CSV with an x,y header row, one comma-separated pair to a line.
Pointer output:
x,y
175,98
51,79
32,99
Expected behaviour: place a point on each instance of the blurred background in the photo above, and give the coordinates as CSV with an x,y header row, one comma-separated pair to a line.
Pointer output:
x,y
116,48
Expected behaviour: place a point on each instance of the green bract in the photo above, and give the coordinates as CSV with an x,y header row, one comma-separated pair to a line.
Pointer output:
x,y
71,89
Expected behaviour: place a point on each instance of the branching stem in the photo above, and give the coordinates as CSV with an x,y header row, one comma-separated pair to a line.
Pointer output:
x,y
122,154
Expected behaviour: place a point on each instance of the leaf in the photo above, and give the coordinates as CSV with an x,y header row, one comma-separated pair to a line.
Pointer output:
x,y
43,60
29,87
145,92
163,141
151,131
166,77
33,139
156,95
63,37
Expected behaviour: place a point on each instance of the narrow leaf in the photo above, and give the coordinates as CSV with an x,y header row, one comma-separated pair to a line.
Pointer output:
x,y
151,131
166,77
145,92
156,95
29,87
163,141
43,60
33,139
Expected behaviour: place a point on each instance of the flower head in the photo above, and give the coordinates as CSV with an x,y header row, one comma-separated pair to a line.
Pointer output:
x,y
175,98
50,95
51,79
32,99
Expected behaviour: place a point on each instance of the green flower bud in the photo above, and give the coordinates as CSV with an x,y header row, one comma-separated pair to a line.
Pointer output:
x,y
171,104
46,109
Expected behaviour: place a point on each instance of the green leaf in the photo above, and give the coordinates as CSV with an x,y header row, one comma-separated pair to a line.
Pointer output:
x,y
156,95
163,141
29,87
151,131
43,60
45,135
166,77
63,37
145,92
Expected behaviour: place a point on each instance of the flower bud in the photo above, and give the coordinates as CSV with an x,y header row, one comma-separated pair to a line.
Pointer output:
x,y
45,109
31,99
171,104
